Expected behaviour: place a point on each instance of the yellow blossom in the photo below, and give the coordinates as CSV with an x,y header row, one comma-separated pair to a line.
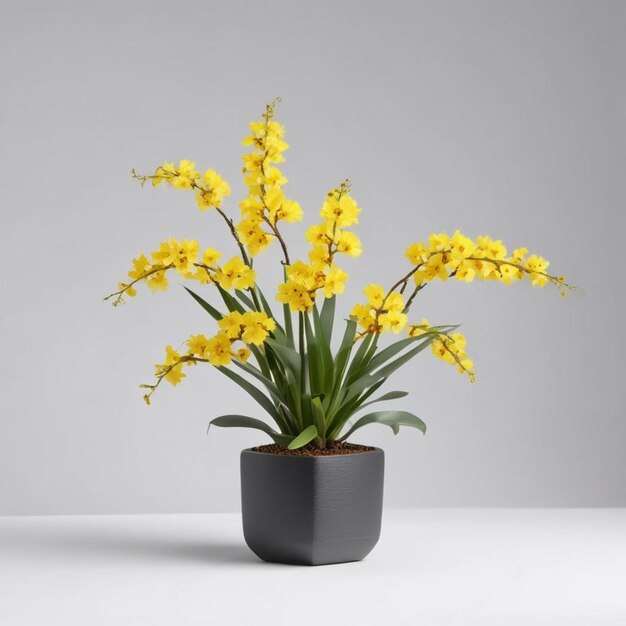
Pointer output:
x,y
218,349
343,212
157,281
198,345
375,295
232,324
348,243
335,282
257,327
235,273
171,369
214,191
211,256
242,355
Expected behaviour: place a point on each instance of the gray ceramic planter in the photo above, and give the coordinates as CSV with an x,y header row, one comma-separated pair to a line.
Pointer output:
x,y
312,510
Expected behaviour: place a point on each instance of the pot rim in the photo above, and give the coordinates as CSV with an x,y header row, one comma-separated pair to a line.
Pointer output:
x,y
375,450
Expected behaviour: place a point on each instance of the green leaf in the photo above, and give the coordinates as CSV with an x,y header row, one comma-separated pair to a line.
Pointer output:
x,y
243,421
230,301
318,416
390,395
287,356
245,299
212,311
327,364
327,317
393,419
256,393
306,436
315,368
390,351
367,380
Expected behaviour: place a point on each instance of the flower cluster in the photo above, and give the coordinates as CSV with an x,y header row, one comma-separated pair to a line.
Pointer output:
x,y
450,348
266,203
383,311
327,239
251,328
458,256
249,318
183,256
210,187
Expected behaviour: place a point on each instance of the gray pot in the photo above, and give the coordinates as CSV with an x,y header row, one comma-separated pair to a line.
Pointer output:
x,y
312,510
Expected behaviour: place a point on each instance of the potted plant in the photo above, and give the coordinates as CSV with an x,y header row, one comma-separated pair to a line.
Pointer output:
x,y
310,496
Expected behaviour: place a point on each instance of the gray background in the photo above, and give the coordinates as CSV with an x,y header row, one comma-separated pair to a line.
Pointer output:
x,y
493,117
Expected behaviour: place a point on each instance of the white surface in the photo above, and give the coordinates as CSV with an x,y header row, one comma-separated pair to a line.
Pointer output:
x,y
450,567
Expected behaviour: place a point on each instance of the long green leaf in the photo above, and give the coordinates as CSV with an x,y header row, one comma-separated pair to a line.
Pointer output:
x,y
393,419
313,355
318,417
306,436
367,380
243,421
245,299
253,391
287,356
230,301
211,310
327,364
390,351
327,317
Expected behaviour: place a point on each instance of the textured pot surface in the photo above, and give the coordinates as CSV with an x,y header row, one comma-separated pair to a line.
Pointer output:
x,y
312,510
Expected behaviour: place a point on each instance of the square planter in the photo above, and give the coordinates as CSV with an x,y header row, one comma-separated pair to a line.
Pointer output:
x,y
312,510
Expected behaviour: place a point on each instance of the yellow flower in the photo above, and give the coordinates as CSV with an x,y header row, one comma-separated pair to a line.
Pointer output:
x,y
295,295
393,320
436,268
219,351
375,295
232,324
320,255
461,247
157,281
211,257
216,188
465,272
349,243
175,373
394,302
438,242
198,345
242,355
319,234
252,234
417,253
342,212
537,266
257,327
235,274
180,254
185,176
141,265
252,205
365,316
451,349
335,282
487,247
417,330
163,173
185,255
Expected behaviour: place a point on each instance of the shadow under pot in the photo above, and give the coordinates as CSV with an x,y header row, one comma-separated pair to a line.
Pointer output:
x,y
312,510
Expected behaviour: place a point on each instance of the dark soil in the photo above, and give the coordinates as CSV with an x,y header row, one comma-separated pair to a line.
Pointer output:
x,y
331,449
